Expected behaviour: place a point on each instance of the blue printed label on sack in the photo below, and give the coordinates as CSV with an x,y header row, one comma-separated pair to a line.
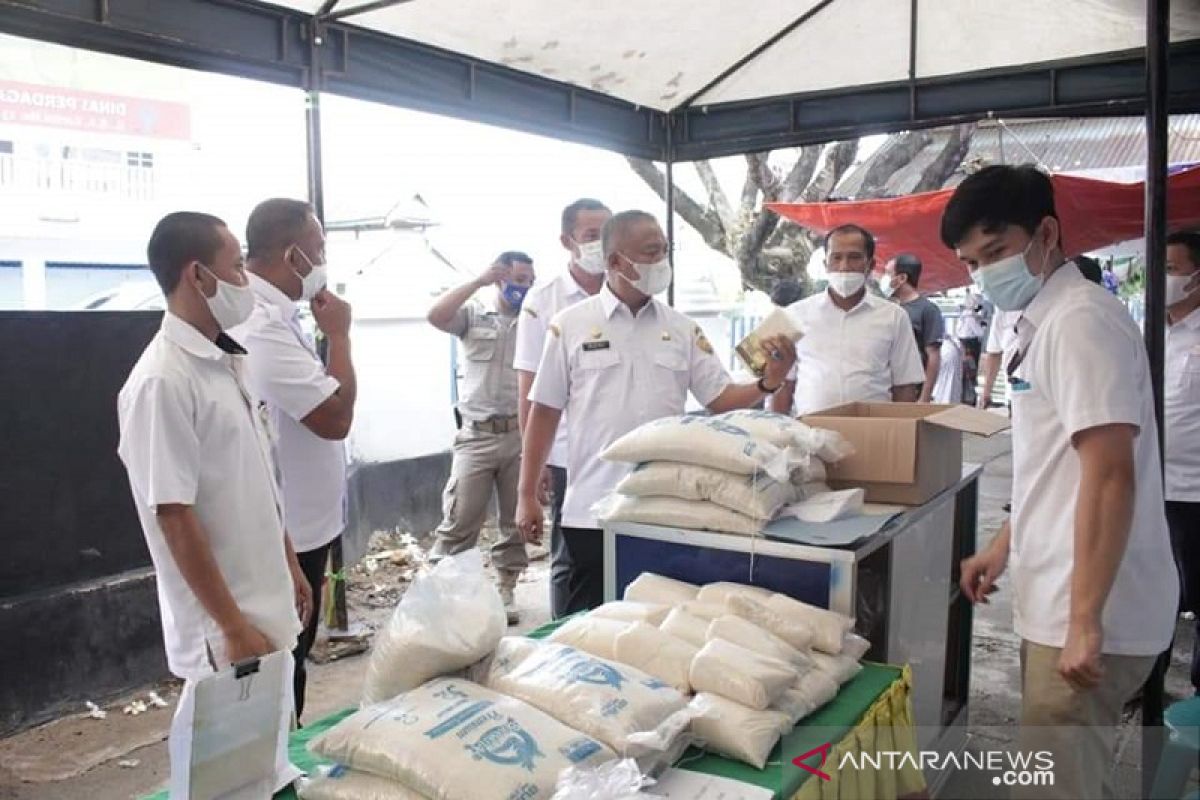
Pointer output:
x,y
614,707
595,673
725,427
457,719
507,744
654,684
526,791
579,749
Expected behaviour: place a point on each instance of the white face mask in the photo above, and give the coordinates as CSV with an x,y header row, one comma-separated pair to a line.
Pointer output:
x,y
652,278
231,305
846,284
887,285
1177,288
591,257
312,283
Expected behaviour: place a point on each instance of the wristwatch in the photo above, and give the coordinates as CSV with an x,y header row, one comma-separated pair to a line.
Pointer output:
x,y
762,387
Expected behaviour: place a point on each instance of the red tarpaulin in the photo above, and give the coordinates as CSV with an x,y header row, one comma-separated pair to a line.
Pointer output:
x,y
1094,214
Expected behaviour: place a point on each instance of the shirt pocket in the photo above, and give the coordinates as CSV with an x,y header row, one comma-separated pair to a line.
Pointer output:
x,y
869,353
671,369
480,343
596,372
1190,378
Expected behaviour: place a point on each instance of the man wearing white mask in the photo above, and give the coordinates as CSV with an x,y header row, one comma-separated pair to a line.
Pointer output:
x,y
199,463
309,405
1095,590
582,222
1181,414
856,347
614,362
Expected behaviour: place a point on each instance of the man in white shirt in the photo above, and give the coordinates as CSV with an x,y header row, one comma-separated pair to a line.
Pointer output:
x,y
856,347
309,405
1095,590
199,463
614,362
1001,344
579,235
1181,414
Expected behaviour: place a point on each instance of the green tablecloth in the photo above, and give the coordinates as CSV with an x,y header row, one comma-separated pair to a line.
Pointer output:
x,y
830,724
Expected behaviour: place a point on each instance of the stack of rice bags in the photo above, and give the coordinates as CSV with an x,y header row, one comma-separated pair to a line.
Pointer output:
x,y
731,472
756,662
453,711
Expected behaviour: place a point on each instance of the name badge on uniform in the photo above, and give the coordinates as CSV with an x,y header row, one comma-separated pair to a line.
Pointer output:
x,y
590,346
1018,385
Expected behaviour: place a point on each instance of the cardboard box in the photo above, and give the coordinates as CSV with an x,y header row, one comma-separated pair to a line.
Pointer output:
x,y
904,452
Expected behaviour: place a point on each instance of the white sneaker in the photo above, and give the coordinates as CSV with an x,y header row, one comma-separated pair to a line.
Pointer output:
x,y
510,605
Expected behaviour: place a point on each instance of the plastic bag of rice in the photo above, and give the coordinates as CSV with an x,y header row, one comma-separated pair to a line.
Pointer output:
x,y
717,593
683,625
455,740
657,654
735,731
631,611
817,687
829,627
786,432
340,783
618,705
705,611
417,644
671,512
739,674
855,646
758,495
594,635
650,587
745,633
795,704
793,631
841,668
705,441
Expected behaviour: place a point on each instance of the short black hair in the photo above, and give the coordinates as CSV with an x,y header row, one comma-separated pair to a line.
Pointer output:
x,y
908,265
1089,268
787,291
570,214
851,228
996,197
617,224
275,224
510,257
179,239
1190,240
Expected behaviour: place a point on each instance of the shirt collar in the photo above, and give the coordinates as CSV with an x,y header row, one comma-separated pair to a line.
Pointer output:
x,y
1062,280
611,303
573,287
270,293
188,338
1192,321
867,302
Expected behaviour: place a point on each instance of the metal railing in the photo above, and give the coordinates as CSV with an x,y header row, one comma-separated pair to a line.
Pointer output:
x,y
67,176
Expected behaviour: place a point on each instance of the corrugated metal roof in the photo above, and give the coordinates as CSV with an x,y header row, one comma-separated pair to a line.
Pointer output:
x,y
1060,145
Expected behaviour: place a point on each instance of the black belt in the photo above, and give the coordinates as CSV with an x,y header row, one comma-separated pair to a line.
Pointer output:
x,y
495,424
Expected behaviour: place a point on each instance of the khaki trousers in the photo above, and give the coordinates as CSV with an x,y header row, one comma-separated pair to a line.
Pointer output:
x,y
1079,728
484,463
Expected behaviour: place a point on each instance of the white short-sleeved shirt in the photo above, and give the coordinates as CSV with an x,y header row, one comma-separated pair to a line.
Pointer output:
x,y
1083,365
541,305
191,436
1181,409
851,356
613,371
1002,335
284,372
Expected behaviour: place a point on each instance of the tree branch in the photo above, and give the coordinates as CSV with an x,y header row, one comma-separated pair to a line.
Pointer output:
x,y
838,161
801,173
707,223
896,153
716,194
948,161
750,186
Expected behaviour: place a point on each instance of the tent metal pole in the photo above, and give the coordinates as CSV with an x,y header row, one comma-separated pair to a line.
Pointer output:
x,y
1157,44
670,148
334,16
312,120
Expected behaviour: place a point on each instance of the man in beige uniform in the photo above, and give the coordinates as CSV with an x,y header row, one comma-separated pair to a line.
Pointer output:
x,y
487,448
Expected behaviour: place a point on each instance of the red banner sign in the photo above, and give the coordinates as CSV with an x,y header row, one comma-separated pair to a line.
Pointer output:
x,y
57,107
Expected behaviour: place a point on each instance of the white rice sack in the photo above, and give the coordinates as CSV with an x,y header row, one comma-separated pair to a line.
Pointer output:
x,y
717,593
671,512
735,731
829,627
817,687
608,701
657,654
784,431
855,646
795,705
745,633
631,611
841,668
705,441
739,674
653,588
340,783
796,633
417,644
687,627
455,740
705,611
594,635
758,495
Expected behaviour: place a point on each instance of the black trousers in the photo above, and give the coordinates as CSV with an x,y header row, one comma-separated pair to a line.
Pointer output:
x,y
585,578
312,564
1184,521
560,559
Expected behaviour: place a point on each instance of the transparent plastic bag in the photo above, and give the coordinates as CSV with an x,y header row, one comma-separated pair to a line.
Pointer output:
x,y
616,780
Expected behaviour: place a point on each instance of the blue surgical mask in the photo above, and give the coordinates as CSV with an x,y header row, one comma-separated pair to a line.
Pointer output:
x,y
1008,282
514,295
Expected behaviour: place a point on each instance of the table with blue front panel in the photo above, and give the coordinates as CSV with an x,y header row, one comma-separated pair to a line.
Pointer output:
x,y
901,586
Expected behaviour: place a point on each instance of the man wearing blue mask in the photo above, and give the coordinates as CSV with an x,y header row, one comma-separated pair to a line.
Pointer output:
x,y
487,447
1095,590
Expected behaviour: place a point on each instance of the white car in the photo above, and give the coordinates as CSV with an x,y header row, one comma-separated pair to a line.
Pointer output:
x,y
128,296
